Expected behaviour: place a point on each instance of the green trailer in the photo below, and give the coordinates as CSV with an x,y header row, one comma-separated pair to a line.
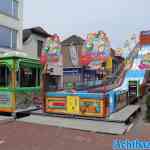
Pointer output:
x,y
19,82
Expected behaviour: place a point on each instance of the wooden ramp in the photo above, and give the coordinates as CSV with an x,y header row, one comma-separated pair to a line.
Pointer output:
x,y
79,124
124,114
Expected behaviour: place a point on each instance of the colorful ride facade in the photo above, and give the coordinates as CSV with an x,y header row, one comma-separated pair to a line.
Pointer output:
x,y
101,99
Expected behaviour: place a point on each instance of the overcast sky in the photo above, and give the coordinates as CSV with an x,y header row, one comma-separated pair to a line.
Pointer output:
x,y
66,17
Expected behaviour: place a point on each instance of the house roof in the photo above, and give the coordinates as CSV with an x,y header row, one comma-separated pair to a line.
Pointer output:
x,y
74,40
36,30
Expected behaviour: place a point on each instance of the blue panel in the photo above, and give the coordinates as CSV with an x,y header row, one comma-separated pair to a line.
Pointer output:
x,y
112,102
81,95
82,91
135,73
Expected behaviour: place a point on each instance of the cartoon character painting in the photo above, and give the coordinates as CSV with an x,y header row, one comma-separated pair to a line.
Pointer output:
x,y
96,50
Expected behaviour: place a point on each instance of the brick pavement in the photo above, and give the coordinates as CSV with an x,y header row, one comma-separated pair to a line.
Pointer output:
x,y
26,136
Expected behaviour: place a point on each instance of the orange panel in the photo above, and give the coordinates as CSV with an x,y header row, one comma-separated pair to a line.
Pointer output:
x,y
144,40
6,110
48,110
103,108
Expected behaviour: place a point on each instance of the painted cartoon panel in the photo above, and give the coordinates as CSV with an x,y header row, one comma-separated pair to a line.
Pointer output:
x,y
90,106
96,50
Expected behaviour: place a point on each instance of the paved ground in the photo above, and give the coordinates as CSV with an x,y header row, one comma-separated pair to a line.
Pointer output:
x,y
26,136
139,124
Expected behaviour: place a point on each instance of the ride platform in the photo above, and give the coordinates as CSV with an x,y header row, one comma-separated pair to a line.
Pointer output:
x,y
78,124
117,123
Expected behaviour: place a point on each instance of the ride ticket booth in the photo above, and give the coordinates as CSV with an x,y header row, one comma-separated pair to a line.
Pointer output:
x,y
19,82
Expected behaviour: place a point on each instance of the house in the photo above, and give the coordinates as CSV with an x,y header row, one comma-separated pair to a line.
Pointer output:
x,y
34,40
11,18
74,71
71,49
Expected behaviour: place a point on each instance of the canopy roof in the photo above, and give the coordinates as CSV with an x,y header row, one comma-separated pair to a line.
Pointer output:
x,y
21,58
16,54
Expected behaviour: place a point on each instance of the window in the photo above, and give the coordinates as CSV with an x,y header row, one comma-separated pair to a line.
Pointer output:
x,y
39,47
9,7
14,39
5,76
8,38
51,82
15,8
28,76
5,37
6,6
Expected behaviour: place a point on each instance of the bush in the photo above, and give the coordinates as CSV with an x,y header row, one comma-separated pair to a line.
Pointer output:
x,y
148,108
